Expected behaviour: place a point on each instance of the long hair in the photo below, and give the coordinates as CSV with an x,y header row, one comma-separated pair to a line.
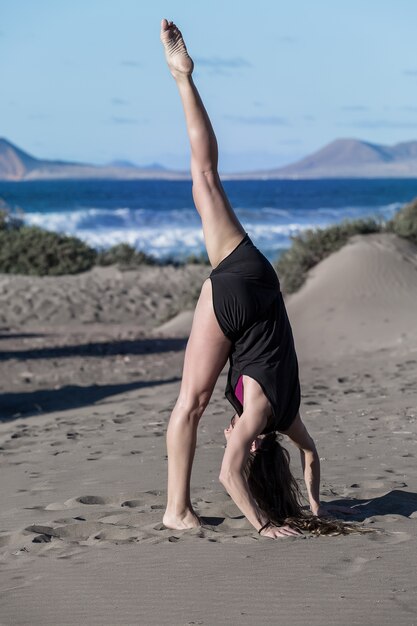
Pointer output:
x,y
277,494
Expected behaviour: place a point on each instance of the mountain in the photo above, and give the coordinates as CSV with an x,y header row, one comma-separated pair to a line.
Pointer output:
x,y
122,163
14,163
353,158
342,158
130,164
17,165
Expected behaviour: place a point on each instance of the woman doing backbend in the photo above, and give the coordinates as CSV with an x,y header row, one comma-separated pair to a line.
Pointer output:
x,y
240,316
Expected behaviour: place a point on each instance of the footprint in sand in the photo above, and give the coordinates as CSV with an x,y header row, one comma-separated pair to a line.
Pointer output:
x,y
391,538
346,566
131,504
136,519
121,420
93,500
42,539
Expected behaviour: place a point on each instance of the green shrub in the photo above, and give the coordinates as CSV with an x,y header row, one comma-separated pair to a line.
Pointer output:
x,y
197,259
125,256
313,245
404,222
3,216
32,250
8,221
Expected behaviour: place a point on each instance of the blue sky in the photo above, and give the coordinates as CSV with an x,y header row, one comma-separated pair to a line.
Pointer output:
x,y
86,80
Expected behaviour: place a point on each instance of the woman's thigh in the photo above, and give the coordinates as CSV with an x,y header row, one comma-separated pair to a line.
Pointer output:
x,y
222,229
206,353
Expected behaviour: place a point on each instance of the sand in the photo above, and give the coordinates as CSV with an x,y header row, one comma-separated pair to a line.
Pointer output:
x,y
83,460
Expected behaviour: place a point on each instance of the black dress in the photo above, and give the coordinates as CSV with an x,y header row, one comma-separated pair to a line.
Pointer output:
x,y
250,309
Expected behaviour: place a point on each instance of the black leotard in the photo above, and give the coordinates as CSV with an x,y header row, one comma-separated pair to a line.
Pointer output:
x,y
250,309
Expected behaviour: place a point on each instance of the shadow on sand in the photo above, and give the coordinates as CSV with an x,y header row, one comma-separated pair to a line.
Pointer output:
x,y
14,405
395,502
98,349
8,335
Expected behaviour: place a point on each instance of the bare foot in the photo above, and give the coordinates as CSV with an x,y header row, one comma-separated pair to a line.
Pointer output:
x,y
178,59
181,522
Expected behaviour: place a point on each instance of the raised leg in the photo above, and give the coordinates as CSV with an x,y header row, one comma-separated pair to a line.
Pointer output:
x,y
205,356
222,230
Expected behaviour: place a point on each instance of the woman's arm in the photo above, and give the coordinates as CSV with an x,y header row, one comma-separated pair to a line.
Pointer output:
x,y
232,477
310,461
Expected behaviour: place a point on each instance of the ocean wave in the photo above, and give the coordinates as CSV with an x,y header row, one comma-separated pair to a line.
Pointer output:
x,y
177,233
386,211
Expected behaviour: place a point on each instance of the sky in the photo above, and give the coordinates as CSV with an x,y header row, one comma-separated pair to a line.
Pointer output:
x,y
86,80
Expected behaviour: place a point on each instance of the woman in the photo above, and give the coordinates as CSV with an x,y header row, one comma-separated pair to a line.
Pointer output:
x,y
240,316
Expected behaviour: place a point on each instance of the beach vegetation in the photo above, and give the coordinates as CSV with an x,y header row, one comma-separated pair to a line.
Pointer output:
x,y
33,251
197,259
313,245
8,221
404,222
125,256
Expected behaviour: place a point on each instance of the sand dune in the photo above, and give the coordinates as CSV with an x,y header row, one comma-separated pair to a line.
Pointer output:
x,y
147,296
83,460
178,326
363,297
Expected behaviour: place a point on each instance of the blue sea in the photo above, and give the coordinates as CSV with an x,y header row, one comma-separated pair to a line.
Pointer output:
x,y
159,217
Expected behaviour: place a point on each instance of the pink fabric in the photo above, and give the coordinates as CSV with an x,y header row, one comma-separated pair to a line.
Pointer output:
x,y
239,390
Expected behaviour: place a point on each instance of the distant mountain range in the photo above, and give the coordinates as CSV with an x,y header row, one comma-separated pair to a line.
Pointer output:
x,y
353,158
342,158
17,165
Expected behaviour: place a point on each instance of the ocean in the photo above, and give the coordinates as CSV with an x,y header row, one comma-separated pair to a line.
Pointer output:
x,y
159,217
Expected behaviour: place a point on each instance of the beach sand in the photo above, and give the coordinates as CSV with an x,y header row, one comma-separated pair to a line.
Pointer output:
x,y
90,369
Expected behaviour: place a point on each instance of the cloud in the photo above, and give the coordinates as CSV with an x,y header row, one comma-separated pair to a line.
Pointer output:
x,y
130,63
309,118
124,120
260,120
375,124
410,72
119,101
222,62
354,107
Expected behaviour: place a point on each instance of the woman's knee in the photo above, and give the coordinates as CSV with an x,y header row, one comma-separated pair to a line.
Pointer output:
x,y
191,405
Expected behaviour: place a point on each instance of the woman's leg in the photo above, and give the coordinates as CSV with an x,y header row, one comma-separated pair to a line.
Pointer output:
x,y
222,230
206,354
207,348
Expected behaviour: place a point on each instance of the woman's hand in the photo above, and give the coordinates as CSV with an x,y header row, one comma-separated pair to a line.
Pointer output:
x,y
279,531
327,510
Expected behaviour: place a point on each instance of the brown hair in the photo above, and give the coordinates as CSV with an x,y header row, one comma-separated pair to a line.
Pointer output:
x,y
278,495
